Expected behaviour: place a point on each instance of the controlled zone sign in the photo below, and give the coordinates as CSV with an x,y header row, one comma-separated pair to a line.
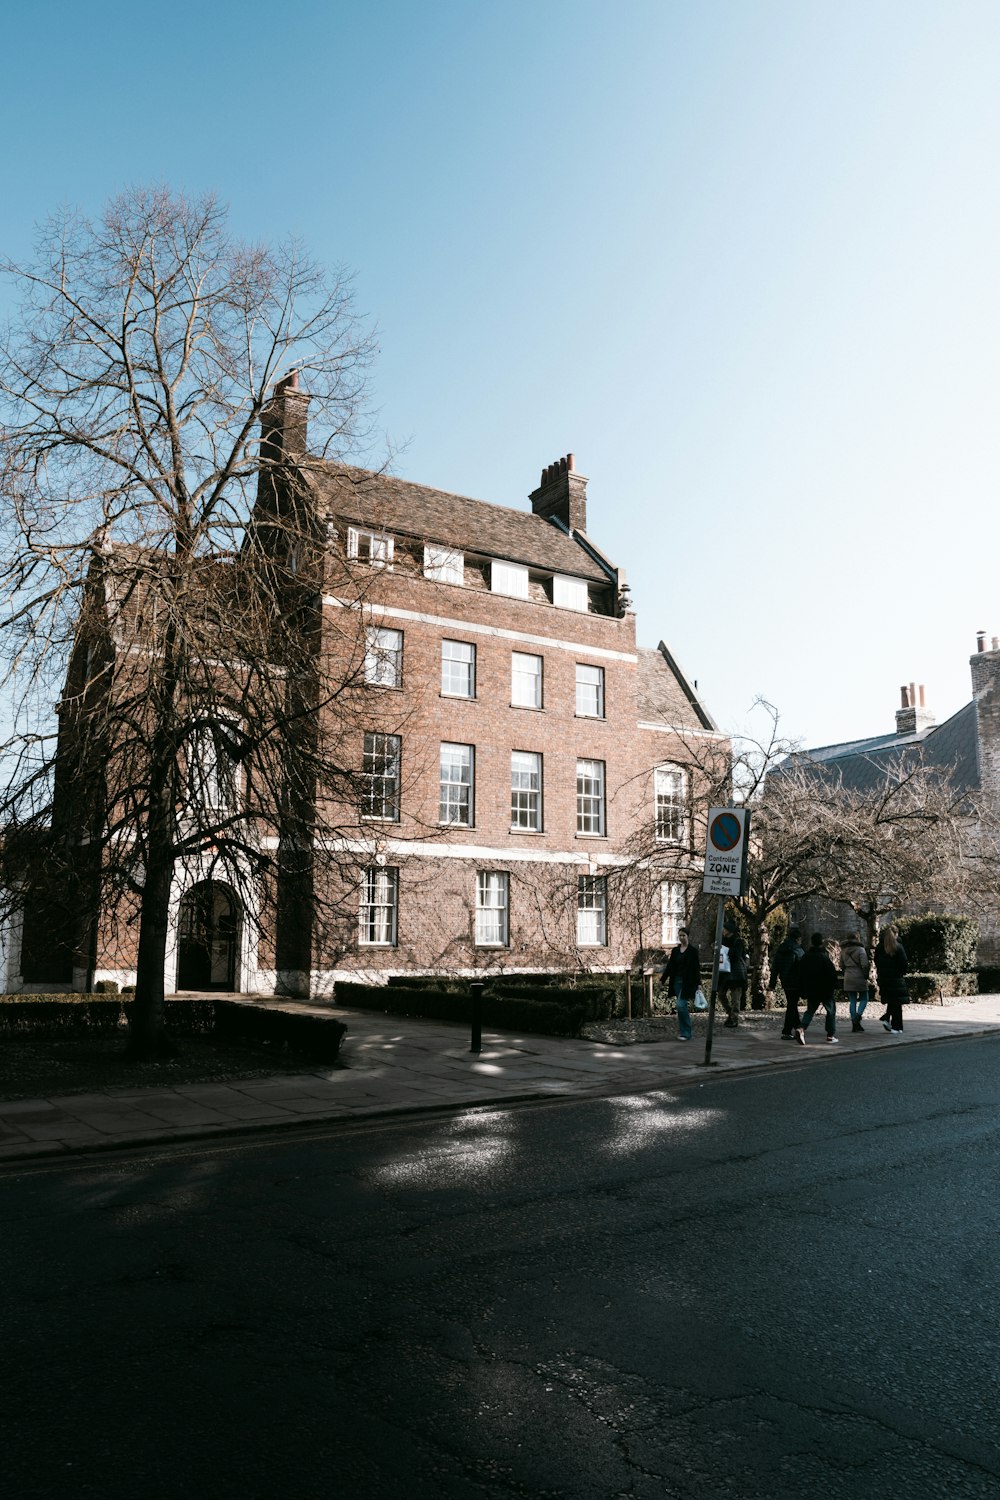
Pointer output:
x,y
726,851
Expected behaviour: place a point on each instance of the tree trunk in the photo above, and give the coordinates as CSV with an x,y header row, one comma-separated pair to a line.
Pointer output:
x,y
757,978
147,1031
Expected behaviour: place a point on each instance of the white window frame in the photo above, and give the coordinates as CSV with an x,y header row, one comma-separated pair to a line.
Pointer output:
x,y
452,676
378,912
444,564
380,768
383,657
510,579
372,547
570,593
456,785
492,909
527,684
213,779
670,798
591,783
592,911
589,692
673,910
525,791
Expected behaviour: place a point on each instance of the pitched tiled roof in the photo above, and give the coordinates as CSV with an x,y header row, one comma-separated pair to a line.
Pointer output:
x,y
862,765
665,695
404,509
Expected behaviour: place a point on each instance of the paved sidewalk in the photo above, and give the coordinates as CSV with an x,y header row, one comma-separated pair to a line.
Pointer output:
x,y
396,1065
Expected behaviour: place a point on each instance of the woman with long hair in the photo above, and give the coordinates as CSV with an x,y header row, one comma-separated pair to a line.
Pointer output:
x,y
891,966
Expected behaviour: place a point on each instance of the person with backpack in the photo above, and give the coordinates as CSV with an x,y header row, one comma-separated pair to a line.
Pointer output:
x,y
784,967
816,975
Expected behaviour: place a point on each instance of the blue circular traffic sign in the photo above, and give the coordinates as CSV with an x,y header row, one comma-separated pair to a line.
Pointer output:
x,y
725,831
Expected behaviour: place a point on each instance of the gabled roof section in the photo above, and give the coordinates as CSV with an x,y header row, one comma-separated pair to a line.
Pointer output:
x,y
666,696
862,765
381,502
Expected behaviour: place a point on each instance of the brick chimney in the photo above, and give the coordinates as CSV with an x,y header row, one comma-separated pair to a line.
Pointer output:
x,y
283,421
913,715
562,495
985,664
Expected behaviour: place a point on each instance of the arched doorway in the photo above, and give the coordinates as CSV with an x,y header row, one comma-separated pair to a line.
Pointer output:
x,y
208,938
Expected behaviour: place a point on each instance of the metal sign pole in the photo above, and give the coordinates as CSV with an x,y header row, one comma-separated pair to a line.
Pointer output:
x,y
726,845
715,983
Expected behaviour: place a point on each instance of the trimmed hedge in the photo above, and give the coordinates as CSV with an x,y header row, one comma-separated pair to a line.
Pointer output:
x,y
510,1007
317,1037
93,1015
64,1015
925,987
940,944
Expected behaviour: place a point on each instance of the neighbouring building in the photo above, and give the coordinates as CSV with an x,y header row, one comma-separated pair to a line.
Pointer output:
x,y
966,747
527,769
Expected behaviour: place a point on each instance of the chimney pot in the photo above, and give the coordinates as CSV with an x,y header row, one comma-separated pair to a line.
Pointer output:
x,y
923,703
981,640
571,462
904,696
996,643
913,695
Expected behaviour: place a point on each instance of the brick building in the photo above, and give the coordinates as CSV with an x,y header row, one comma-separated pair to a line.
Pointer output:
x,y
524,768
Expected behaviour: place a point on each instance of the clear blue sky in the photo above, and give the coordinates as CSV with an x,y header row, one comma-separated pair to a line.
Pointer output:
x,y
740,258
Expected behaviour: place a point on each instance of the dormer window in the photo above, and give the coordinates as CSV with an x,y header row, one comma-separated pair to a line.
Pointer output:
x,y
510,579
444,565
570,593
372,547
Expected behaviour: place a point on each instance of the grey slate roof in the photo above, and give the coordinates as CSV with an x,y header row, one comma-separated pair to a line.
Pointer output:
x,y
862,764
381,502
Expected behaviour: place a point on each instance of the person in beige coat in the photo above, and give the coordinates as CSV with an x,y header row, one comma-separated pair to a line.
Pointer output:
x,y
855,962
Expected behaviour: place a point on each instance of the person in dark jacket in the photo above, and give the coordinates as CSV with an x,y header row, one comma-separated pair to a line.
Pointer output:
x,y
733,985
891,966
681,975
785,968
816,976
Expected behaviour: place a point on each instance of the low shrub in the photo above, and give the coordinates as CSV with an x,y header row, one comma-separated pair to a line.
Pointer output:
x,y
93,1015
540,1011
70,1015
315,1036
925,987
940,944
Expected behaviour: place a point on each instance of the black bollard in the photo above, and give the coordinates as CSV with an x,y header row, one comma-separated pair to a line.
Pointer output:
x,y
476,987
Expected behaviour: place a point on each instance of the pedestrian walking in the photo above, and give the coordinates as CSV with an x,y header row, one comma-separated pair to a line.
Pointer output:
x,y
891,966
681,975
817,981
733,984
856,963
784,968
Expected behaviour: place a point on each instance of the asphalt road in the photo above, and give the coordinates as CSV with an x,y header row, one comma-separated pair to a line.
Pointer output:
x,y
772,1285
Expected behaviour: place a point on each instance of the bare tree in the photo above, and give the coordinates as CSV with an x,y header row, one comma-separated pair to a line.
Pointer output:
x,y
163,556
900,843
897,843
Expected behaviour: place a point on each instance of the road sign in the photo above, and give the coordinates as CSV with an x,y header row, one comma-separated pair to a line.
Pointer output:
x,y
726,851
